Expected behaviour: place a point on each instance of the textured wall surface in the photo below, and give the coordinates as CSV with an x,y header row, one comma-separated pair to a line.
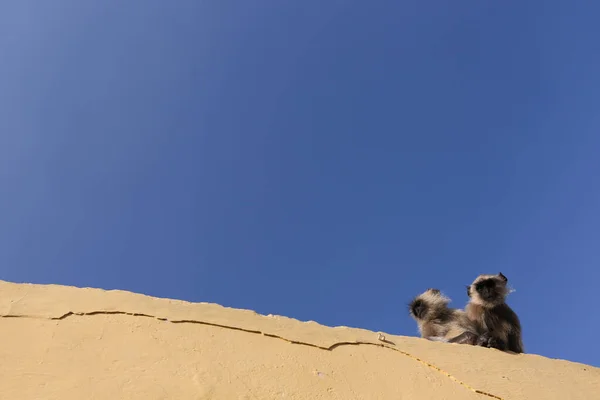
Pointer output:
x,y
61,342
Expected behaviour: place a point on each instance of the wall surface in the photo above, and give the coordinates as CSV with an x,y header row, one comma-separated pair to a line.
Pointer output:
x,y
69,343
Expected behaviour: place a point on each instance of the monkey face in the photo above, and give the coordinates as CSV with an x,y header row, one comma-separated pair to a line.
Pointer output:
x,y
424,306
418,308
488,289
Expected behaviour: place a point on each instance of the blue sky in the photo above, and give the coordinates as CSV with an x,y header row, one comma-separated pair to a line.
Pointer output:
x,y
320,160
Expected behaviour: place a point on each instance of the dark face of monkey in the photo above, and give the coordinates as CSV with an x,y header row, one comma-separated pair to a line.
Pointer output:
x,y
488,290
422,306
418,308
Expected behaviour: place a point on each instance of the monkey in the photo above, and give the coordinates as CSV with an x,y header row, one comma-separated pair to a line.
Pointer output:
x,y
438,322
498,325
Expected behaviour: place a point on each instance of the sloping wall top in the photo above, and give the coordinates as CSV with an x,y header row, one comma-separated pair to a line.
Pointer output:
x,y
63,342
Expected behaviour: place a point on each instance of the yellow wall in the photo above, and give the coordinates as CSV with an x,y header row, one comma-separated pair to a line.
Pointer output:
x,y
62,342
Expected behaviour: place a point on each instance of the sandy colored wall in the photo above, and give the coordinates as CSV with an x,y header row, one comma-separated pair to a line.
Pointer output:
x,y
67,343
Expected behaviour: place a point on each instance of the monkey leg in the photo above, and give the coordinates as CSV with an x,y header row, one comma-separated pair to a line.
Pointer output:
x,y
487,340
483,339
496,343
437,338
465,338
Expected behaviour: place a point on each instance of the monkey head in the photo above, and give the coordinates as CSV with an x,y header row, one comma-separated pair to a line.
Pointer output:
x,y
488,290
426,305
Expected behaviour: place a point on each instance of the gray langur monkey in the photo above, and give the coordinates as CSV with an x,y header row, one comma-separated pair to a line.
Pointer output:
x,y
497,323
439,322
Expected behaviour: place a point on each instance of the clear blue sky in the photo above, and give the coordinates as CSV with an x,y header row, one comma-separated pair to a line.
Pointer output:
x,y
323,160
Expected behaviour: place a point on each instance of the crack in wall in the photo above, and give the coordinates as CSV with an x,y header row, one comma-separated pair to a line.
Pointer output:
x,y
330,348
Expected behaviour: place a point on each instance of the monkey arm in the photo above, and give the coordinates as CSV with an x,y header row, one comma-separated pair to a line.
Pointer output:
x,y
514,343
